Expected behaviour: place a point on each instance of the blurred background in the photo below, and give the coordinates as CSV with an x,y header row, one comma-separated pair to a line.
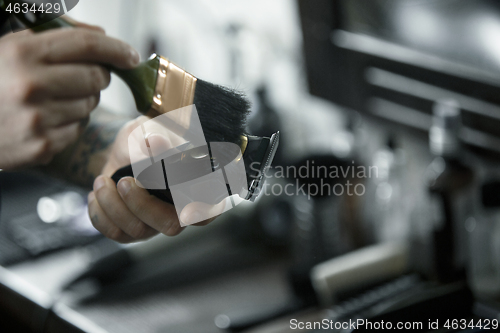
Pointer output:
x,y
382,202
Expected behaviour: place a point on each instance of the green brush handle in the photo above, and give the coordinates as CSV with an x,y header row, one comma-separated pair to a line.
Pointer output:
x,y
141,80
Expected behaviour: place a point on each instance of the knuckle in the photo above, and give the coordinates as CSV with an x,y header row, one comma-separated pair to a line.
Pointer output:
x,y
136,206
170,228
32,121
17,50
90,41
165,227
115,234
98,78
27,88
43,147
139,231
172,232
43,150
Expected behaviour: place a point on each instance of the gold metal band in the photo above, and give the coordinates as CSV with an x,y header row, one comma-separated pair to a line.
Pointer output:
x,y
244,143
174,88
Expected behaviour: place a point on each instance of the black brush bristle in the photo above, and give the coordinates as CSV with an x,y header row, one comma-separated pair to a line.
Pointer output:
x,y
222,111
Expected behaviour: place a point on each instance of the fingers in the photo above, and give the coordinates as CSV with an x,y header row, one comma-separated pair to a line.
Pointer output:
x,y
73,81
41,147
61,137
117,211
103,224
85,45
18,35
156,213
161,142
64,112
128,212
146,141
157,144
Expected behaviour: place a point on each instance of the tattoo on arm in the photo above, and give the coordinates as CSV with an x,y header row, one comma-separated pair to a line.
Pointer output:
x,y
96,140
83,161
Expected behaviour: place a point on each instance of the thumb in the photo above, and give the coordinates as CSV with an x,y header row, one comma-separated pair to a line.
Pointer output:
x,y
158,144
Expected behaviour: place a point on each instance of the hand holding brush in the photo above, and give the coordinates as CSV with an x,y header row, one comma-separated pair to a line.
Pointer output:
x,y
159,86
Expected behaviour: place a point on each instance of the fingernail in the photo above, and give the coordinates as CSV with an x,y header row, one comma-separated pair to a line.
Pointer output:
x,y
158,144
90,198
135,58
99,183
124,187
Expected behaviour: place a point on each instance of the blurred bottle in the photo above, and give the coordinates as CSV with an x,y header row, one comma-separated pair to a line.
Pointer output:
x,y
390,210
448,178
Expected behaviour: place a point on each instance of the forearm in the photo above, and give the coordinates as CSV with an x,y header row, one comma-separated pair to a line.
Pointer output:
x,y
83,161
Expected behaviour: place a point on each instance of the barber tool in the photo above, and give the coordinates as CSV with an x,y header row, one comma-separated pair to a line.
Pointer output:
x,y
257,155
159,86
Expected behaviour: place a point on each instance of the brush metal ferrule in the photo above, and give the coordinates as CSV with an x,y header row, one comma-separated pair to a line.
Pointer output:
x,y
174,88
243,144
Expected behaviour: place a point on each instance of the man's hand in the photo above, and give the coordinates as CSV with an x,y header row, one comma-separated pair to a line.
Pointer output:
x,y
49,84
127,212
